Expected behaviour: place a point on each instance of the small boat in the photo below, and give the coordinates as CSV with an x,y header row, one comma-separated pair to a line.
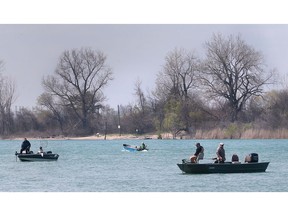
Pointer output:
x,y
227,167
133,148
45,156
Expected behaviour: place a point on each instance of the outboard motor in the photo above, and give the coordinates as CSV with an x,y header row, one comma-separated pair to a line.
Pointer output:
x,y
251,158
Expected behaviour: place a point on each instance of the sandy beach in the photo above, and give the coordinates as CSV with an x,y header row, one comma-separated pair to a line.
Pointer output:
x,y
113,137
99,137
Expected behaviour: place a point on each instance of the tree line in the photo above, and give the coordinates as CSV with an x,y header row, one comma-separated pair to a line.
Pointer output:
x,y
225,89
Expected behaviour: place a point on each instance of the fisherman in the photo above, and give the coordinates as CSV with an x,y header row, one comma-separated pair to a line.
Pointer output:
x,y
40,150
220,154
25,146
141,147
198,155
235,158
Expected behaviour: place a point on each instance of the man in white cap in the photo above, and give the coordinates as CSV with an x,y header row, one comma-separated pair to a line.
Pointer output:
x,y
220,153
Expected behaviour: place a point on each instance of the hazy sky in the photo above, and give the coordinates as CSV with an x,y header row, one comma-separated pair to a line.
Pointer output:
x,y
133,51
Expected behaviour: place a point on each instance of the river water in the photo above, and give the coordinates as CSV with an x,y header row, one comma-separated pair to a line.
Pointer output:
x,y
99,166
103,166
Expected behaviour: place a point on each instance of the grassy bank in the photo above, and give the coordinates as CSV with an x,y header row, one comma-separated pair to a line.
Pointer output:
x,y
243,134
218,133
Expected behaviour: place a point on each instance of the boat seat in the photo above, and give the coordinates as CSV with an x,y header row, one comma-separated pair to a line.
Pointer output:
x,y
200,157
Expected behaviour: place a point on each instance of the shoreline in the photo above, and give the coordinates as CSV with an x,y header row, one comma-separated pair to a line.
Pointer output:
x,y
127,137
93,137
199,134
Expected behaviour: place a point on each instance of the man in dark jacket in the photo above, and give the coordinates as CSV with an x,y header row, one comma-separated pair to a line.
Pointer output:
x,y
25,146
198,155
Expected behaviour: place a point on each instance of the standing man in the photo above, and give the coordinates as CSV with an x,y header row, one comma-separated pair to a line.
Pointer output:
x,y
25,146
198,155
220,153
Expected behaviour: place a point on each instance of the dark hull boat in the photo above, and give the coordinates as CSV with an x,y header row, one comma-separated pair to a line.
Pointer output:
x,y
46,156
228,167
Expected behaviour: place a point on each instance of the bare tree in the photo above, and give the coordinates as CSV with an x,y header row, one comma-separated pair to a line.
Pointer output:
x,y
48,102
78,82
275,114
1,65
176,84
7,98
141,99
178,76
26,120
233,72
141,114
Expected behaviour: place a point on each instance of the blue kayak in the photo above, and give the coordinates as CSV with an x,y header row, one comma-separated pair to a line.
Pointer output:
x,y
133,148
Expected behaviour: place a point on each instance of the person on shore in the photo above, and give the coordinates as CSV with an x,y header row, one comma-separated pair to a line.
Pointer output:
x,y
198,155
25,146
220,154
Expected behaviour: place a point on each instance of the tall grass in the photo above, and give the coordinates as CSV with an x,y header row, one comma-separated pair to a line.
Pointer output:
x,y
219,133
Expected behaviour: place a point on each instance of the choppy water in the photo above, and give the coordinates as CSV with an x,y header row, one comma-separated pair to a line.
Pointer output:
x,y
103,166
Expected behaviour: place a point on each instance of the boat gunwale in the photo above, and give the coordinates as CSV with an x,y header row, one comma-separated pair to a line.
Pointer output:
x,y
37,157
209,168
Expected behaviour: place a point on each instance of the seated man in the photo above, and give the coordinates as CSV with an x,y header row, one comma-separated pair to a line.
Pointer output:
x,y
235,158
143,146
40,150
